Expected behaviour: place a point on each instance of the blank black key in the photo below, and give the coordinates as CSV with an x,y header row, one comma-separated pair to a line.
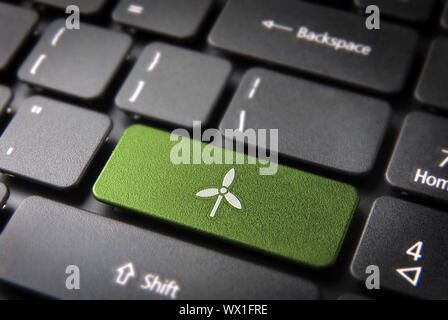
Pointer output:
x,y
316,39
118,261
412,10
80,63
175,18
408,244
5,97
173,85
420,160
52,142
431,88
85,6
318,124
15,26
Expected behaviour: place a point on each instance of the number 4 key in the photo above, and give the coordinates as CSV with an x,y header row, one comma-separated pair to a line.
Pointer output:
x,y
393,240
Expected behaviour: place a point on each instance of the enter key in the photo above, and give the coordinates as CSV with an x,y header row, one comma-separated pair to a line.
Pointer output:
x,y
291,214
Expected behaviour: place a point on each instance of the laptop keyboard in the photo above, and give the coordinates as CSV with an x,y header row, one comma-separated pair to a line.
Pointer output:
x,y
87,181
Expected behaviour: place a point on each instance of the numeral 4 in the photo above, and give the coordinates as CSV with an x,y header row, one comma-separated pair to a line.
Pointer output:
x,y
416,250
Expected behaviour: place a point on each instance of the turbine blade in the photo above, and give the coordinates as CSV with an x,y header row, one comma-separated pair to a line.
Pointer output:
x,y
228,179
207,193
230,197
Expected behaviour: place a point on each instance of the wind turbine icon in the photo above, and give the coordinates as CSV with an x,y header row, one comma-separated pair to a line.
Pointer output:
x,y
223,192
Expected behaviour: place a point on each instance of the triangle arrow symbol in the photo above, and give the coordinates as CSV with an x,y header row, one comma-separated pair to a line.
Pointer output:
x,y
404,272
268,23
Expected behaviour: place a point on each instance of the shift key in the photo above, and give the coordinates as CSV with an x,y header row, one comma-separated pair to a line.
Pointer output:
x,y
318,40
68,253
289,213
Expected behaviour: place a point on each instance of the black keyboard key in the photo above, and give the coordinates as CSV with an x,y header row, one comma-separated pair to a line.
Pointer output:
x,y
52,142
80,63
318,124
15,26
118,261
319,40
412,10
175,18
85,6
174,85
5,97
431,88
408,243
420,160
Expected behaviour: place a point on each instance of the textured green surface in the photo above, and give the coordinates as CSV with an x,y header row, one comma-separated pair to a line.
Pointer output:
x,y
292,214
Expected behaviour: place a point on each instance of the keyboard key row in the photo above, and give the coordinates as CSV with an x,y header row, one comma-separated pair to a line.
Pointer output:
x,y
179,86
51,142
16,25
291,214
407,242
420,161
318,40
176,18
317,124
79,63
116,261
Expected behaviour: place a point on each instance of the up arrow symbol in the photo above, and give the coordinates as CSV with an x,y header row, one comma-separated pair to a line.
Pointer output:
x,y
125,273
404,272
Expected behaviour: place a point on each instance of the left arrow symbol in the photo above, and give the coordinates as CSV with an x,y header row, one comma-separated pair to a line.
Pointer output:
x,y
404,272
271,24
125,273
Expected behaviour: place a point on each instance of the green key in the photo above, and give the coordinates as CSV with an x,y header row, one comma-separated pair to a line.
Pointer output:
x,y
291,214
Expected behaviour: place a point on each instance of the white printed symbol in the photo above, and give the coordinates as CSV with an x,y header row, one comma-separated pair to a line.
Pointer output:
x,y
37,64
57,36
242,120
154,61
415,250
125,273
404,272
36,109
137,91
254,88
222,192
271,24
444,162
10,151
135,9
